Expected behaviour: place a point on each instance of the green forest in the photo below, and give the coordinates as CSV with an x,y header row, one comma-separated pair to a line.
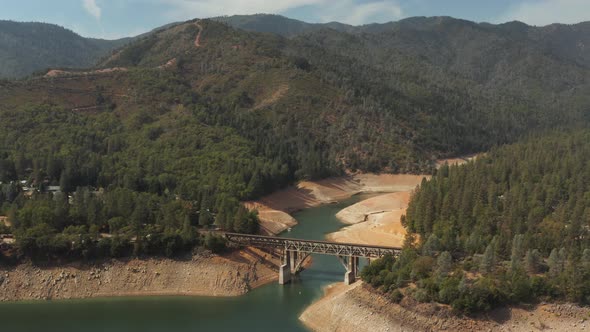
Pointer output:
x,y
511,227
161,175
29,47
145,156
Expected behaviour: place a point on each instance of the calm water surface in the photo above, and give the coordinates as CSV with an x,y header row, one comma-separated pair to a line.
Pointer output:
x,y
269,308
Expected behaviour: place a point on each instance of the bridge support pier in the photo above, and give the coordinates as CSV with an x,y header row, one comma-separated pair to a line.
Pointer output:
x,y
292,263
285,269
350,263
295,251
293,255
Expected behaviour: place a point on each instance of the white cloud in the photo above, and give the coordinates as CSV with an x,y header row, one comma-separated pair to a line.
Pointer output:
x,y
92,8
185,9
346,11
544,12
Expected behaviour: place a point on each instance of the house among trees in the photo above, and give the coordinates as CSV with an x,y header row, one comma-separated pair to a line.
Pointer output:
x,y
53,189
4,221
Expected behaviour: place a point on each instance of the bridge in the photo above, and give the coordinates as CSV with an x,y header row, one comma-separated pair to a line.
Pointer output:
x,y
295,251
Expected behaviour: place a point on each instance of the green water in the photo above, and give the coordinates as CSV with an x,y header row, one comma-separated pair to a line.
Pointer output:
x,y
269,308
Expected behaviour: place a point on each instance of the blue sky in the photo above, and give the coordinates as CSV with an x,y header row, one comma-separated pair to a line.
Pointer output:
x,y
118,18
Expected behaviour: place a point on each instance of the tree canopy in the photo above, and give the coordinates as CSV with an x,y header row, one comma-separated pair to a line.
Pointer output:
x,y
516,222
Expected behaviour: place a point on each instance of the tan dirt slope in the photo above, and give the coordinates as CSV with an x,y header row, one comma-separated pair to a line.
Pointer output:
x,y
356,309
203,275
274,209
376,221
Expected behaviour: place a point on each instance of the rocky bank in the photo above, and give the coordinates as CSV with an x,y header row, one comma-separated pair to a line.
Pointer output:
x,y
203,274
357,308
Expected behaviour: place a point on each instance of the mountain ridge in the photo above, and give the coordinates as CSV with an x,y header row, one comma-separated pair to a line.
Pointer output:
x,y
29,47
201,116
25,49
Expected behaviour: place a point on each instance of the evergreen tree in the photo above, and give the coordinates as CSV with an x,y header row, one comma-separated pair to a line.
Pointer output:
x,y
431,246
517,252
586,259
532,260
444,264
555,263
488,260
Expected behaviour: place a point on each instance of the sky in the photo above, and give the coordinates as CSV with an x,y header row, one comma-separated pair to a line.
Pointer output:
x,y
111,19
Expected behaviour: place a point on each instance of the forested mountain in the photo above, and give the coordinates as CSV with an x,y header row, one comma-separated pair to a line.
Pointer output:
x,y
480,84
568,42
513,226
277,24
191,119
28,47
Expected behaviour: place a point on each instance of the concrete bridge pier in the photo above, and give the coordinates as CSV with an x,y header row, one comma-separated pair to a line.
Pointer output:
x,y
293,255
292,264
351,264
285,269
295,251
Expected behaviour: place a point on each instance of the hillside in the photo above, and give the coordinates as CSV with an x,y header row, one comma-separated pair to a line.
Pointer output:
x,y
468,85
277,24
29,47
568,42
510,227
189,120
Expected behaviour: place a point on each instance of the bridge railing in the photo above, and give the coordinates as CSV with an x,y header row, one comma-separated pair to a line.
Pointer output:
x,y
311,246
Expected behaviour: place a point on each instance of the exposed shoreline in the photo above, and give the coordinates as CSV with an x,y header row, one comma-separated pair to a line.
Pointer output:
x,y
374,221
199,275
274,210
377,221
356,308
203,274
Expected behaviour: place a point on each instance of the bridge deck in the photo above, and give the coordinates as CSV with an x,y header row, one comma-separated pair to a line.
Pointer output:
x,y
312,246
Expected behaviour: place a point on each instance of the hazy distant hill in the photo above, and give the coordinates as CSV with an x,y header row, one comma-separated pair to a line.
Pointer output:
x,y
572,42
278,24
28,47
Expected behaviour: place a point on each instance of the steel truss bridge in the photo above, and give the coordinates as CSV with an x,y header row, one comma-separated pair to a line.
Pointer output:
x,y
295,251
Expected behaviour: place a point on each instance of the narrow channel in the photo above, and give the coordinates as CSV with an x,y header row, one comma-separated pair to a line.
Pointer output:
x,y
270,308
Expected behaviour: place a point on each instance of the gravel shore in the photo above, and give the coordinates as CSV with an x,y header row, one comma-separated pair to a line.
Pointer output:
x,y
203,275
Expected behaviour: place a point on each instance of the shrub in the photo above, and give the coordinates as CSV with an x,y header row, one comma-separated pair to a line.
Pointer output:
x,y
422,267
449,290
421,295
396,296
215,243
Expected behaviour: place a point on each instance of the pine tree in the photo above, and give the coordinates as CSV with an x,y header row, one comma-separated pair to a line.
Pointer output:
x,y
532,261
65,181
555,264
188,235
488,260
517,252
444,264
431,246
205,218
586,258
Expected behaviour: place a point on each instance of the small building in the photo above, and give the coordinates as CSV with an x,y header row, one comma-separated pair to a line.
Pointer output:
x,y
54,189
4,221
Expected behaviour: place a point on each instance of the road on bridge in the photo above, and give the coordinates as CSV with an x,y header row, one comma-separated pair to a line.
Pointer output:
x,y
295,251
